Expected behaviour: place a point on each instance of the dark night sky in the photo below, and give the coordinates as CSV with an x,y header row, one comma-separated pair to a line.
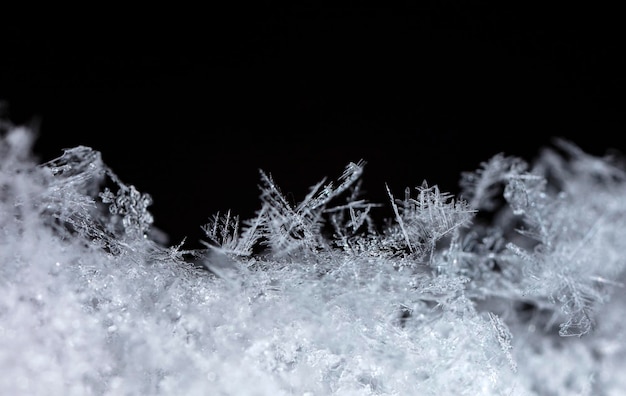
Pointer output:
x,y
189,106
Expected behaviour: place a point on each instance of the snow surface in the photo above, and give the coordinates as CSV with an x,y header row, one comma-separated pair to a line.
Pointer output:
x,y
315,299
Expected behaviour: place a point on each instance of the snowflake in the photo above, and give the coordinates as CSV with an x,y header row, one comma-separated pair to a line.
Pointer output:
x,y
132,206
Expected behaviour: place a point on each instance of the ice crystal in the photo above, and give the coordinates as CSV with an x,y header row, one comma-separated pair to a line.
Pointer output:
x,y
132,206
285,228
481,188
313,298
424,220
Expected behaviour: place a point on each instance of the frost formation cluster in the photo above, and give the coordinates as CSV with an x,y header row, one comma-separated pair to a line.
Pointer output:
x,y
515,287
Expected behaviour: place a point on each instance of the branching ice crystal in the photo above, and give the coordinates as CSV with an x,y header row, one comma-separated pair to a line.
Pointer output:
x,y
132,206
311,298
504,337
286,229
482,188
426,219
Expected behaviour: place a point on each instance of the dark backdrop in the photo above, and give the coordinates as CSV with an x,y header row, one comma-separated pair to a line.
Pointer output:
x,y
189,105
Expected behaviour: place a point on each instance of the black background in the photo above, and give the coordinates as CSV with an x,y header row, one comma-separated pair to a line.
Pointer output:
x,y
189,105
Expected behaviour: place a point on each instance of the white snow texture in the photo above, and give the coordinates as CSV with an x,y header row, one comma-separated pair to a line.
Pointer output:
x,y
316,299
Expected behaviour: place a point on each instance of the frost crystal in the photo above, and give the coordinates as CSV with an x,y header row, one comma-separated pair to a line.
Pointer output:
x,y
132,206
426,219
504,336
312,298
481,187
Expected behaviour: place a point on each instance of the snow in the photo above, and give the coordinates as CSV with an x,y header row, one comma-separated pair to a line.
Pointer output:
x,y
436,304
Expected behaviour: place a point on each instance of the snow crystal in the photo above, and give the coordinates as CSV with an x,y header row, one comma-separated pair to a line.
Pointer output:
x,y
310,299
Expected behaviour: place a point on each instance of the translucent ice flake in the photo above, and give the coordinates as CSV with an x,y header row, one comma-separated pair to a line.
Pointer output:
x,y
517,196
132,206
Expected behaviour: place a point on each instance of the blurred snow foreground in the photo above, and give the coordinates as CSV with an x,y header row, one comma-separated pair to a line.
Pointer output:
x,y
513,288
